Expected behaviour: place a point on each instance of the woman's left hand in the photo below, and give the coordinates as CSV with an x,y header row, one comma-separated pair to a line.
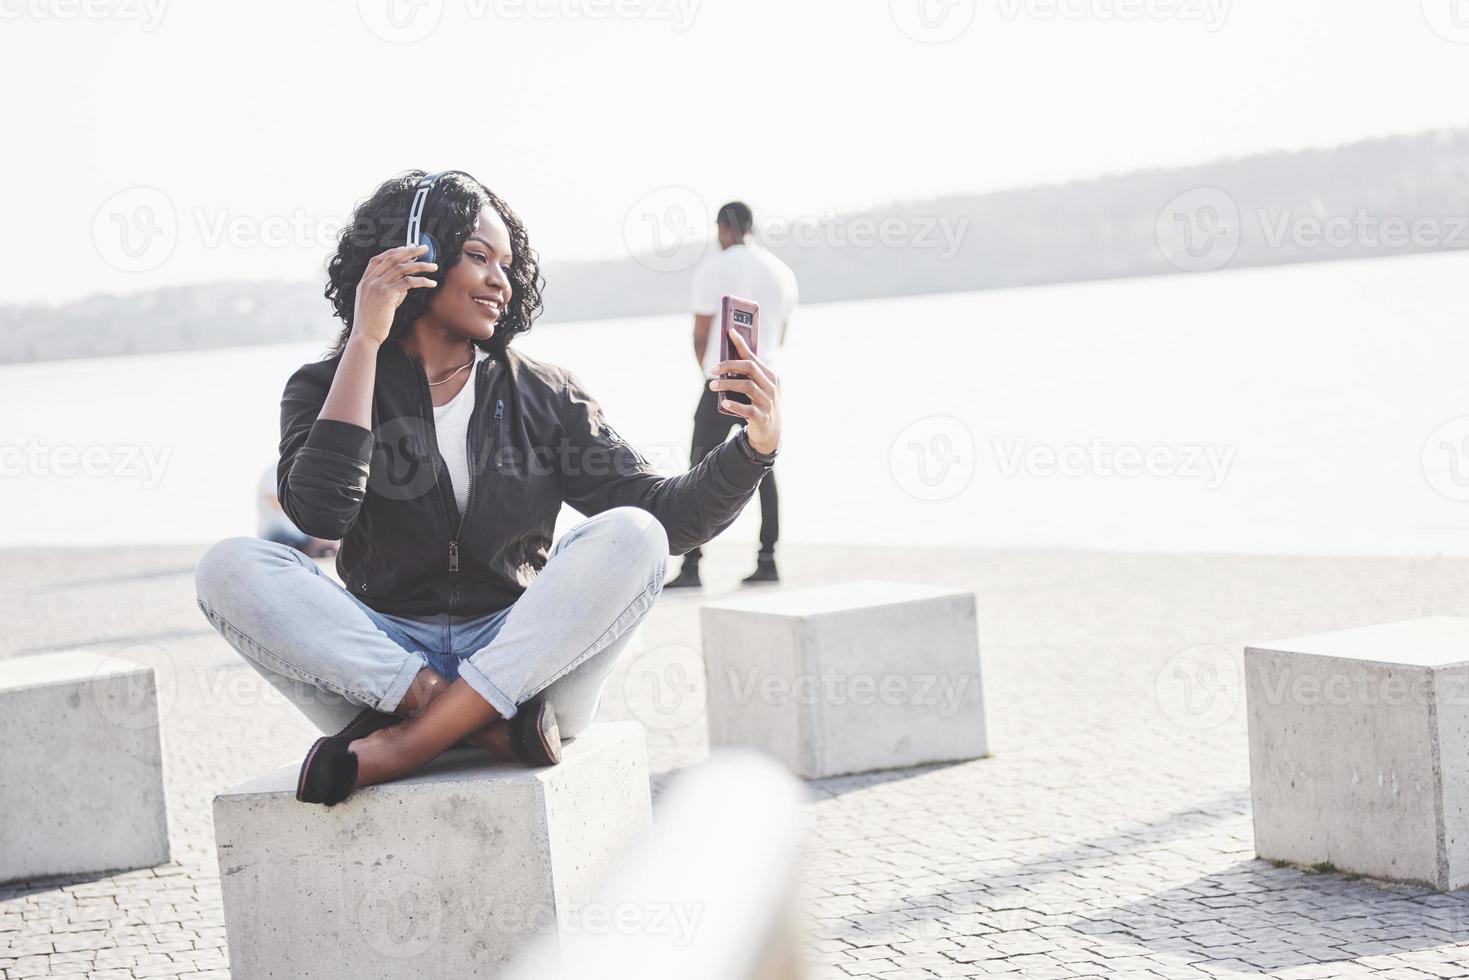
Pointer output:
x,y
763,389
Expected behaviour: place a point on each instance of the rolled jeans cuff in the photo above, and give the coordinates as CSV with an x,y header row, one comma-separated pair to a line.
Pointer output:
x,y
399,687
486,689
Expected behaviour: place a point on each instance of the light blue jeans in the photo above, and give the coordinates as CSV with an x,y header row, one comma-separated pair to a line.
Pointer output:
x,y
332,655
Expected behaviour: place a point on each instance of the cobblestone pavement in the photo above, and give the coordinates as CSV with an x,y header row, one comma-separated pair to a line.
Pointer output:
x,y
1108,835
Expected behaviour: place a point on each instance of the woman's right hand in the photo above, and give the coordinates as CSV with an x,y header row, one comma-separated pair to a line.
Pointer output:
x,y
383,287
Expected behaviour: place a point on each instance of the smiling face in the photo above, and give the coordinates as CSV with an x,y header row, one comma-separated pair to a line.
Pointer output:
x,y
474,293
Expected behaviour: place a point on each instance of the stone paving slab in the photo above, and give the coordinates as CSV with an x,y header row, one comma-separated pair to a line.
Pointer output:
x,y
1108,836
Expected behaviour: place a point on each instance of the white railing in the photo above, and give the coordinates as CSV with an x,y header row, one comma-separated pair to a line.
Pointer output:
x,y
709,894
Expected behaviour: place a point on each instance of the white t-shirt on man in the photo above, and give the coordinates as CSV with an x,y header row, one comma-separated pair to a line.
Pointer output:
x,y
451,425
749,272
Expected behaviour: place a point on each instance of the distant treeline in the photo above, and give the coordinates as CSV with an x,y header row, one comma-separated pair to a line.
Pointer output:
x,y
1392,196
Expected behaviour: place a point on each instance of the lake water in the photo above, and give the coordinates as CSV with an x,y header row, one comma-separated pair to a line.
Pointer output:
x,y
1317,408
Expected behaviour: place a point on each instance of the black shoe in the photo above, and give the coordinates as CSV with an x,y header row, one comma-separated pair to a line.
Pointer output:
x,y
368,720
687,578
764,572
329,770
328,773
535,738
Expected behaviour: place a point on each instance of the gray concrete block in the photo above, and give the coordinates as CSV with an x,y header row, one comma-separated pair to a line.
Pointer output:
x,y
1359,750
81,769
446,873
846,678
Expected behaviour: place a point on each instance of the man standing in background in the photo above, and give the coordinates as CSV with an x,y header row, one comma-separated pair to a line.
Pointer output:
x,y
744,269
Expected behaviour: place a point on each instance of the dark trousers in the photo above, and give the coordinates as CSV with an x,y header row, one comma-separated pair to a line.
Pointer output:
x,y
710,429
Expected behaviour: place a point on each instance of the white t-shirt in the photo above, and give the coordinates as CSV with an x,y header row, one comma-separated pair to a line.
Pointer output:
x,y
451,425
749,272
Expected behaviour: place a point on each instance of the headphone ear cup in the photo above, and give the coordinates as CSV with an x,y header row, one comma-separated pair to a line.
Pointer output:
x,y
432,255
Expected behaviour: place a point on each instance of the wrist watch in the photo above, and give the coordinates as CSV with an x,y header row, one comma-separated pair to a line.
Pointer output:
x,y
750,452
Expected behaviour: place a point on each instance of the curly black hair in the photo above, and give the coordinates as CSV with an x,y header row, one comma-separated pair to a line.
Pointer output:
x,y
381,222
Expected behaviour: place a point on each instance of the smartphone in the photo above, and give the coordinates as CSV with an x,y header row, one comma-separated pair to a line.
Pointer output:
x,y
742,315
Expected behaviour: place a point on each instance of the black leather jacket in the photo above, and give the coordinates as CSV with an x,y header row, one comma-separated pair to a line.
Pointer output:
x,y
536,439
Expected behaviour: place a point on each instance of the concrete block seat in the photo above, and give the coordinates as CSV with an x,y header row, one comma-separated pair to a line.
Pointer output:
x,y
81,768
446,873
846,678
1359,750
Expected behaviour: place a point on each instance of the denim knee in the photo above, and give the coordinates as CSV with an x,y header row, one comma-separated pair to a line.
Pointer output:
x,y
225,566
635,534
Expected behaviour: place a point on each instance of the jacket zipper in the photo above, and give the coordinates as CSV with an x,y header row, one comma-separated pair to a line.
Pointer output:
x,y
426,412
468,494
499,431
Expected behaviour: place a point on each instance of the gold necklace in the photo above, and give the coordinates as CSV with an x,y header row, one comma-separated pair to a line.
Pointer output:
x,y
432,384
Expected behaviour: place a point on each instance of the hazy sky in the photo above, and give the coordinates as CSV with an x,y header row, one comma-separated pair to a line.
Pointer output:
x,y
252,128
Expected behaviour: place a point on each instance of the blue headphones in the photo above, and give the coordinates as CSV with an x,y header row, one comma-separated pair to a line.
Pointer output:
x,y
416,234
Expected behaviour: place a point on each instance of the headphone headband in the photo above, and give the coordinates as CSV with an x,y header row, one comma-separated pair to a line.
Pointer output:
x,y
420,204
